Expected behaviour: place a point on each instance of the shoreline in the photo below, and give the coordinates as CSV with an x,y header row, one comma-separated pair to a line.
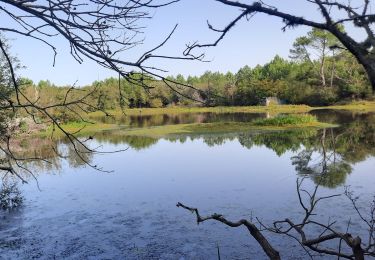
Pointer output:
x,y
360,106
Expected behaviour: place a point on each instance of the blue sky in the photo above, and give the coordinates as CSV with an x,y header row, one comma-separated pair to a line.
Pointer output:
x,y
250,43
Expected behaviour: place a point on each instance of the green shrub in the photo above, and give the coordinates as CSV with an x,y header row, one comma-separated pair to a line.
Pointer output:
x,y
286,120
156,103
23,126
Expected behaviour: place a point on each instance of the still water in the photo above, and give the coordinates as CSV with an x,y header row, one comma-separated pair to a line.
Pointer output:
x,y
130,212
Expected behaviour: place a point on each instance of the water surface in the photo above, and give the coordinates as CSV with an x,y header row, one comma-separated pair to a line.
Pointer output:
x,y
130,213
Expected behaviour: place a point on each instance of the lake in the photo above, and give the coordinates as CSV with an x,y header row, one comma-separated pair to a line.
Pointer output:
x,y
128,211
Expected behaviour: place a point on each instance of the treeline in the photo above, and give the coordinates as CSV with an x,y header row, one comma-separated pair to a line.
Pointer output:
x,y
292,82
318,72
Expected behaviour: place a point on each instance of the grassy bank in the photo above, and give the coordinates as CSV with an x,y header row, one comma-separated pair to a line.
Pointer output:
x,y
276,123
360,106
289,120
182,110
215,128
79,129
272,124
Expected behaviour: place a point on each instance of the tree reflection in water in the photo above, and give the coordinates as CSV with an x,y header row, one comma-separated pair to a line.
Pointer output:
x,y
10,194
325,155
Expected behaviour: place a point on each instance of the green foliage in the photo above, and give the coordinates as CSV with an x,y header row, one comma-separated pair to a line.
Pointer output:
x,y
286,120
45,84
254,85
23,127
324,72
156,103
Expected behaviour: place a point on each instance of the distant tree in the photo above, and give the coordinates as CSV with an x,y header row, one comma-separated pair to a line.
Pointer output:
x,y
180,78
44,84
335,14
299,51
277,69
230,87
320,42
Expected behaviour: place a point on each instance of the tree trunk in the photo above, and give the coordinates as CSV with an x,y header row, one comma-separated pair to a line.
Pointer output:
x,y
322,64
357,249
333,69
323,78
369,66
332,76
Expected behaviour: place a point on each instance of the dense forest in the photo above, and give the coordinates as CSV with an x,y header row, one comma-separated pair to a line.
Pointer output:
x,y
318,72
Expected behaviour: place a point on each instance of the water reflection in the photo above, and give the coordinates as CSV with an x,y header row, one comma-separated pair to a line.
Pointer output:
x,y
325,155
322,162
131,214
53,152
174,119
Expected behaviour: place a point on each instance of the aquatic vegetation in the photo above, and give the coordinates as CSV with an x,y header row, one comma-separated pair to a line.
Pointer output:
x,y
221,127
292,116
78,128
286,120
